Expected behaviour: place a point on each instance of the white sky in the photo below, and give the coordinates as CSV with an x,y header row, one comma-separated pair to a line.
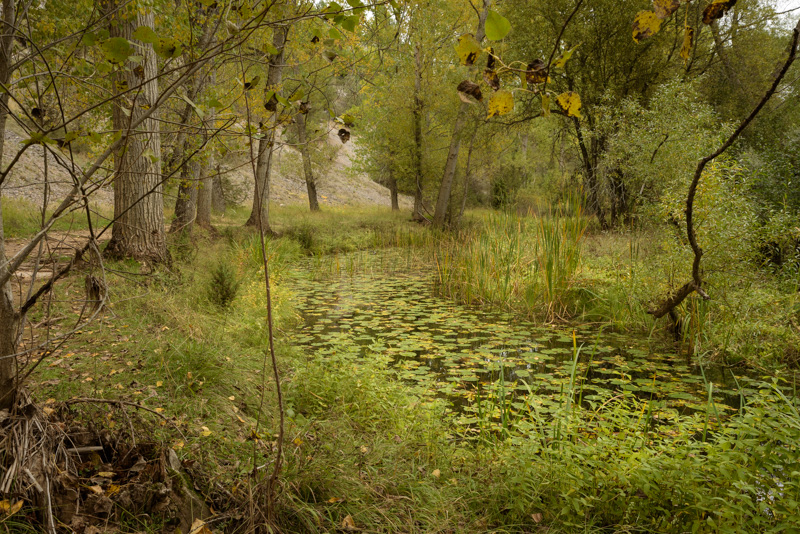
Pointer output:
x,y
783,5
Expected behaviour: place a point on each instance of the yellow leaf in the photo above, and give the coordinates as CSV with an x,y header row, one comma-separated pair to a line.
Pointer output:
x,y
105,474
159,410
570,103
364,449
113,489
645,24
231,398
348,523
178,445
501,103
159,383
436,473
206,432
10,509
468,49
688,40
545,105
96,489
199,527
566,56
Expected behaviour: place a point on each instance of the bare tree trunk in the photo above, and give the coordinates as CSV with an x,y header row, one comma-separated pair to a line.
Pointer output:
x,y
186,203
266,144
417,213
138,230
9,318
592,185
217,193
443,200
468,175
204,197
393,190
311,186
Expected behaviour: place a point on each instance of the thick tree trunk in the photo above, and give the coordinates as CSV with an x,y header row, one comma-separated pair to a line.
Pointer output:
x,y
417,213
266,145
138,230
311,186
443,200
9,318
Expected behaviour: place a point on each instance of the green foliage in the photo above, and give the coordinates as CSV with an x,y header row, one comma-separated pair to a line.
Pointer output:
x,y
223,285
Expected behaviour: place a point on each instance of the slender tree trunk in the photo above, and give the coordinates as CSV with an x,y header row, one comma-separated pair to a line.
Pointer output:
x,y
186,203
393,190
204,198
218,204
138,230
418,104
266,144
590,176
311,186
468,175
9,318
443,200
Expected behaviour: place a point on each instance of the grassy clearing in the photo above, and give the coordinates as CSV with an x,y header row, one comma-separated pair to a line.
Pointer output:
x,y
22,218
361,444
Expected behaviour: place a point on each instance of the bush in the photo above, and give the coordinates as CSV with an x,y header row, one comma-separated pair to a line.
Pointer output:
x,y
223,285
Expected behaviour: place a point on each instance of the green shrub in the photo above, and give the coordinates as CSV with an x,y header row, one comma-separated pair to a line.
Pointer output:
x,y
223,285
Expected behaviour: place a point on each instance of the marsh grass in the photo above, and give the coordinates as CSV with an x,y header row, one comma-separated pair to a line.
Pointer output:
x,y
523,263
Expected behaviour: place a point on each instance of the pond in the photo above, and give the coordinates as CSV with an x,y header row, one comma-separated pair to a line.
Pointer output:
x,y
463,354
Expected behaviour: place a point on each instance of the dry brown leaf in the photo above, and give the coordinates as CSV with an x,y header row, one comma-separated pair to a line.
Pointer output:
x,y
688,40
665,8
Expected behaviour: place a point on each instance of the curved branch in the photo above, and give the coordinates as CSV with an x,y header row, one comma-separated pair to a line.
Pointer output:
x,y
697,282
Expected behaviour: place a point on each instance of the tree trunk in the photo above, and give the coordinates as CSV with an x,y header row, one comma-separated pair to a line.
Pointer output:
x,y
393,190
590,176
9,318
468,175
417,214
311,186
443,200
217,193
204,198
186,203
266,145
138,230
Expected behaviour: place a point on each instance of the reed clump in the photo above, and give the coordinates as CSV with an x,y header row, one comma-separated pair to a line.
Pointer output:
x,y
524,263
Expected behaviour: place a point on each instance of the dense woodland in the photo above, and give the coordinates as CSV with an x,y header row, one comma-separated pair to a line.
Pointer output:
x,y
403,266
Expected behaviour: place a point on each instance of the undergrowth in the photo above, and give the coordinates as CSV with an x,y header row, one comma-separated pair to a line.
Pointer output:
x,y
365,451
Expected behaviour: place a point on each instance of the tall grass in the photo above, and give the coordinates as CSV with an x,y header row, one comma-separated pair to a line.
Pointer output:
x,y
524,263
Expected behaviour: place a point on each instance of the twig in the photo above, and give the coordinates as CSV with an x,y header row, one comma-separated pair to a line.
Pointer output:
x,y
125,403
